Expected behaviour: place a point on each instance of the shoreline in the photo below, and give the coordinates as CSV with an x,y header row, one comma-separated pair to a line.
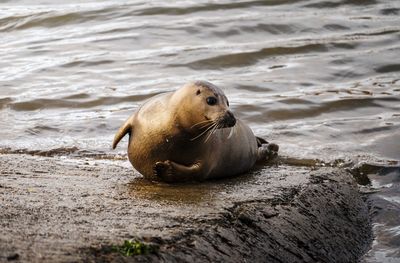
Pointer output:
x,y
59,209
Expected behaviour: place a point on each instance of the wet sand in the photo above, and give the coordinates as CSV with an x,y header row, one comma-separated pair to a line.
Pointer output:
x,y
58,209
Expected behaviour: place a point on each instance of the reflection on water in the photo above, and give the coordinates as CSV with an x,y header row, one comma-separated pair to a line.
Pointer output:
x,y
321,78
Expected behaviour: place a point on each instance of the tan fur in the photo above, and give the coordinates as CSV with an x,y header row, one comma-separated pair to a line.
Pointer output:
x,y
168,138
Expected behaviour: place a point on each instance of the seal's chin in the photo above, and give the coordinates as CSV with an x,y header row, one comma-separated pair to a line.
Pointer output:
x,y
228,125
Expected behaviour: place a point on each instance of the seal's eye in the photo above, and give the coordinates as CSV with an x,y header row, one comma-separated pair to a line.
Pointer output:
x,y
211,101
227,103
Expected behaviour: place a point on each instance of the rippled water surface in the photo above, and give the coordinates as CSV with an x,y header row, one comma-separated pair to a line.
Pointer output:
x,y
320,78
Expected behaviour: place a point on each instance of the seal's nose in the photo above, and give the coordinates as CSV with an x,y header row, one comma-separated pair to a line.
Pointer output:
x,y
229,119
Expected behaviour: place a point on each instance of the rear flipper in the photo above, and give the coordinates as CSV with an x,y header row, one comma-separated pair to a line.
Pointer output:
x,y
123,130
267,152
169,171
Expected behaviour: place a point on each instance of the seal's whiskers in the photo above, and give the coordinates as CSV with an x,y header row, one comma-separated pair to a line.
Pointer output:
x,y
233,130
205,123
216,127
205,131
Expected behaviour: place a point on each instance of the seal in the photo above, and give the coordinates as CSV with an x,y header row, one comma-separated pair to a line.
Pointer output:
x,y
191,135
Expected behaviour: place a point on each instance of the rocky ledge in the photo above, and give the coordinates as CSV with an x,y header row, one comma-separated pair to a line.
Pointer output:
x,y
62,209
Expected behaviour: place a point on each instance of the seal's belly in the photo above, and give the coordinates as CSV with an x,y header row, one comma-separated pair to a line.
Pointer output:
x,y
237,153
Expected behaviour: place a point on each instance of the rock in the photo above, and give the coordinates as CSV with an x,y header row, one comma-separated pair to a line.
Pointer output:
x,y
78,211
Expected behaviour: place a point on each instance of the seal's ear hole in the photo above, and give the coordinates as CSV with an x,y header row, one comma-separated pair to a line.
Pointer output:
x,y
198,92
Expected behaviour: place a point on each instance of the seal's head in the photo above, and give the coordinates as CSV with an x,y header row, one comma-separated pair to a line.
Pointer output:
x,y
202,105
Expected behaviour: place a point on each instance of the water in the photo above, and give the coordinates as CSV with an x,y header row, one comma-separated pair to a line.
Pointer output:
x,y
320,78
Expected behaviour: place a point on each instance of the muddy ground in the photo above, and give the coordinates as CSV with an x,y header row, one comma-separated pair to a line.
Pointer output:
x,y
59,209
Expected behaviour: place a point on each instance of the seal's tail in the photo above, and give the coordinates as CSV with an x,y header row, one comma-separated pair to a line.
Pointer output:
x,y
126,128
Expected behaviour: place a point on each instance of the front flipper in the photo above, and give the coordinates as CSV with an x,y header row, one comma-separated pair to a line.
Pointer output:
x,y
267,152
125,128
170,171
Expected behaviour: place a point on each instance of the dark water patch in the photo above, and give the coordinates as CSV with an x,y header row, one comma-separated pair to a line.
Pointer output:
x,y
115,30
208,25
377,129
388,68
250,58
292,101
341,61
84,63
335,4
347,74
130,38
7,23
252,88
359,2
342,45
335,27
270,28
50,19
40,129
46,19
350,104
379,32
180,11
362,18
306,84
390,11
226,33
277,67
4,102
291,133
77,96
68,103
323,4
